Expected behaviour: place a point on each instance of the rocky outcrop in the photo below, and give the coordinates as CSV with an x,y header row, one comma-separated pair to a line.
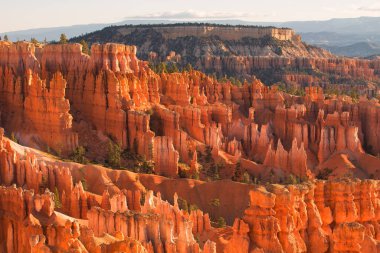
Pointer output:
x,y
165,156
293,162
39,106
324,217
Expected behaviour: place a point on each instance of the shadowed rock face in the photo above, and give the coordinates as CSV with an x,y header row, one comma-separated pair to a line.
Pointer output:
x,y
55,98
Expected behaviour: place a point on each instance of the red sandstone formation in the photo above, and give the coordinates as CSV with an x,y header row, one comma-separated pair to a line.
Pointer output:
x,y
189,125
113,91
314,217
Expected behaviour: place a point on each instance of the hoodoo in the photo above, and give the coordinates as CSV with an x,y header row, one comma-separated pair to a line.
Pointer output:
x,y
101,153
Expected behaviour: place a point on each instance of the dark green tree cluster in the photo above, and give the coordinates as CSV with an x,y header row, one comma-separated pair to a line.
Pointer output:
x,y
79,155
137,163
221,222
215,202
231,79
164,67
114,154
184,205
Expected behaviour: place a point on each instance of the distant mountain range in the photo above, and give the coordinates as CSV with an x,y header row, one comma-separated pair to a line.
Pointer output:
x,y
346,36
365,49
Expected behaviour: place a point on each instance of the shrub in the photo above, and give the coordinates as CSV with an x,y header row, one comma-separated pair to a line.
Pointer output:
x,y
215,202
221,223
138,163
208,157
34,41
142,199
149,111
13,137
182,204
213,171
238,174
79,155
147,167
84,184
195,175
188,67
114,154
57,201
324,174
246,178
193,207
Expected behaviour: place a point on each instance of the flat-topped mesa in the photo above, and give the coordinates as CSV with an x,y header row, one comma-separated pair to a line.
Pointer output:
x,y
224,32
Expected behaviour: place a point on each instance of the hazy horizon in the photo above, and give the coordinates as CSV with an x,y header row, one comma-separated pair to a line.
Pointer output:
x,y
21,14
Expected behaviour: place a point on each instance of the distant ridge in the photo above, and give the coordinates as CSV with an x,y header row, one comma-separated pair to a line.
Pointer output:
x,y
330,34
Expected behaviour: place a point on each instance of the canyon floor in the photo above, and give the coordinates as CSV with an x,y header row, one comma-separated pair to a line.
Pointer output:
x,y
99,153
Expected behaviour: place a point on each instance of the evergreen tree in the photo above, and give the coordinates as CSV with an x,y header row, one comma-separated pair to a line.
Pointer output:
x,y
79,155
34,41
63,39
114,154
221,223
6,38
188,67
85,48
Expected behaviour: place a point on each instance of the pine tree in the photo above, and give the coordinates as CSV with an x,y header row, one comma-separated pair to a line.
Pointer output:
x,y
34,41
114,154
85,48
6,38
221,223
63,39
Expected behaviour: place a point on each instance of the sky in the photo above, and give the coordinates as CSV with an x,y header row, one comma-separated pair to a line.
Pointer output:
x,y
26,14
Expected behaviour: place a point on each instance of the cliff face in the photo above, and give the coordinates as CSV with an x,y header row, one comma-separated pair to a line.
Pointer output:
x,y
319,216
60,92
35,110
188,125
324,217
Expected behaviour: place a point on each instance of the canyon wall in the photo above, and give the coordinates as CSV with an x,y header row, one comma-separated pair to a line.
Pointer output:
x,y
114,95
318,216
